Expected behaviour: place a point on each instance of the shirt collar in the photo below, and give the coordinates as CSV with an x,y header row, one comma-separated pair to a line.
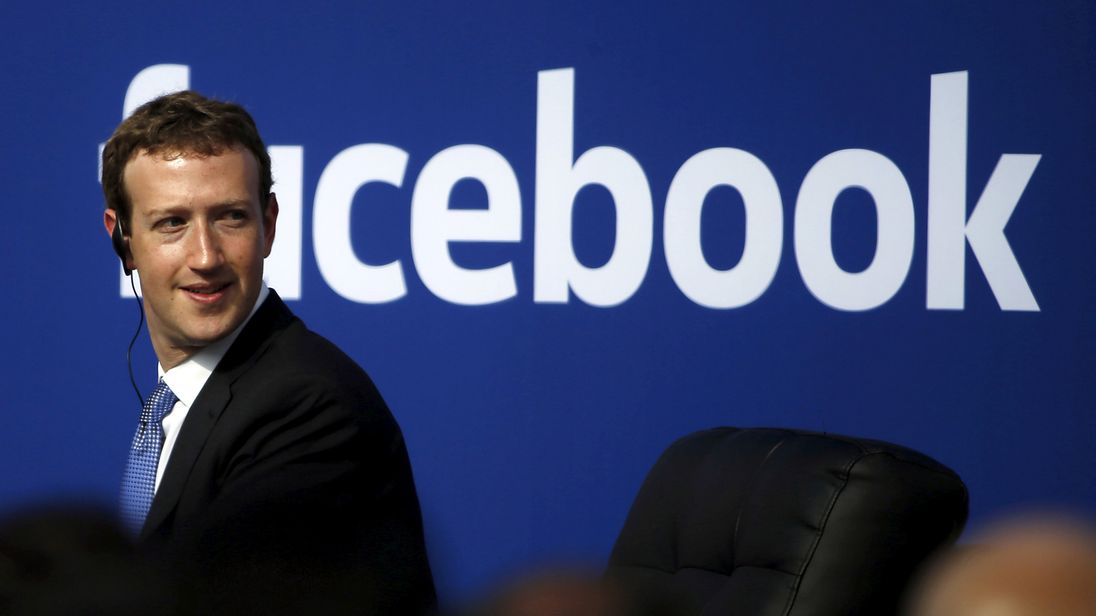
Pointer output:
x,y
188,378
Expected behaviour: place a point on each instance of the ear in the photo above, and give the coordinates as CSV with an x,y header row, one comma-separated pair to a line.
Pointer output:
x,y
270,223
112,223
110,219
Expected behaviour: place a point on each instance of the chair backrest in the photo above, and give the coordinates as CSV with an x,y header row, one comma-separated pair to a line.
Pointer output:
x,y
772,522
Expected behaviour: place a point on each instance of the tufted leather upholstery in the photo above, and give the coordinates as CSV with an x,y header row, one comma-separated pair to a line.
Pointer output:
x,y
768,522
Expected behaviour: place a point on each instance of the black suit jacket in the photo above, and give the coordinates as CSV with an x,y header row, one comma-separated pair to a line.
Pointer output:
x,y
289,487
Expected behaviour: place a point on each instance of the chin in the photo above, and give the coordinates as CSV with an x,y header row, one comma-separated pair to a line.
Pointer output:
x,y
213,332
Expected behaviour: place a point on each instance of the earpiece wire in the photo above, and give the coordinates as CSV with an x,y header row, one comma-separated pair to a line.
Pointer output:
x,y
129,351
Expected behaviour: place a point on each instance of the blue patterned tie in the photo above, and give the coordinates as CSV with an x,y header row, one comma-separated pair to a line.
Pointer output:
x,y
139,482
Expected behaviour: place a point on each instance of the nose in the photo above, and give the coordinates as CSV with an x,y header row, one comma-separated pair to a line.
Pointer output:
x,y
205,251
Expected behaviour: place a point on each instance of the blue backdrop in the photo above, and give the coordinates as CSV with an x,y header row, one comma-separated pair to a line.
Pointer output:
x,y
532,415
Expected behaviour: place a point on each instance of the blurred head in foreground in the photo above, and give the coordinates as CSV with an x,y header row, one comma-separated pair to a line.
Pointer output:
x,y
1028,566
574,592
58,560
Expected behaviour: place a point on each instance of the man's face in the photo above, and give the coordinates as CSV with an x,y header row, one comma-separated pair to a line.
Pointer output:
x,y
198,237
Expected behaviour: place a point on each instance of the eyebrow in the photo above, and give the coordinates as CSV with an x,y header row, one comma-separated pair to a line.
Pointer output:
x,y
172,210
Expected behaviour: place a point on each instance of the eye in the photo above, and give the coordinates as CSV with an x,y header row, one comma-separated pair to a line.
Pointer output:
x,y
171,222
236,216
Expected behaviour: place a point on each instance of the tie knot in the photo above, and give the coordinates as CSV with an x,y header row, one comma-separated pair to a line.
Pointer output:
x,y
159,402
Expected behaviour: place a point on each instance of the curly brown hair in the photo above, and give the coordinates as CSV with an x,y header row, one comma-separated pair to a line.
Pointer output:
x,y
180,124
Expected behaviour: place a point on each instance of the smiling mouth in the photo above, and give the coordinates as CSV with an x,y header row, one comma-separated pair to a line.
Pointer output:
x,y
206,292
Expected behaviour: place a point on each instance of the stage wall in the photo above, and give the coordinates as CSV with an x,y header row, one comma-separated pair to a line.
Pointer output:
x,y
561,235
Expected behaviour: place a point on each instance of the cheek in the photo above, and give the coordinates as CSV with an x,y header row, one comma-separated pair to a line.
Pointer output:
x,y
247,254
159,260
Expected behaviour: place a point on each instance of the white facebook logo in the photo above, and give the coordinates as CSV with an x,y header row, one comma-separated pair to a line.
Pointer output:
x,y
560,175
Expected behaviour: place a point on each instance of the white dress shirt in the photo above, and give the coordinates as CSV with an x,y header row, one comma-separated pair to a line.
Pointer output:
x,y
187,380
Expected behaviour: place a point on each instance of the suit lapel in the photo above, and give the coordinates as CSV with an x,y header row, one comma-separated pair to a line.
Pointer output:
x,y
215,396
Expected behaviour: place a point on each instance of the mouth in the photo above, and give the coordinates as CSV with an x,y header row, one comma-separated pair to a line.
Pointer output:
x,y
206,293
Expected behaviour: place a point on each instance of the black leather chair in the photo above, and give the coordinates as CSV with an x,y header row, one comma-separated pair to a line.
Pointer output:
x,y
768,522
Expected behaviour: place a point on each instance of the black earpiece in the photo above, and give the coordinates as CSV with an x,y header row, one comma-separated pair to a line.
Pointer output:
x,y
121,247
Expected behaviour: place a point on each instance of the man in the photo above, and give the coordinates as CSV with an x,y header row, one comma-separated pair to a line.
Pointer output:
x,y
279,479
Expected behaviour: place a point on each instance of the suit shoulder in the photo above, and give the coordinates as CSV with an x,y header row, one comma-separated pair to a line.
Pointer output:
x,y
306,351
300,367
